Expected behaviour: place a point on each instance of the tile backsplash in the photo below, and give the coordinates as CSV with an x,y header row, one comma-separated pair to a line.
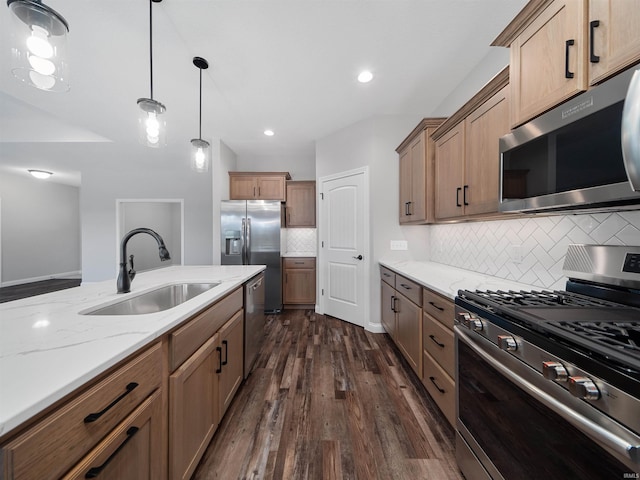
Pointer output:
x,y
529,250
299,240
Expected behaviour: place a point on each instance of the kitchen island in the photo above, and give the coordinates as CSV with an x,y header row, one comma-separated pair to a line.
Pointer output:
x,y
48,349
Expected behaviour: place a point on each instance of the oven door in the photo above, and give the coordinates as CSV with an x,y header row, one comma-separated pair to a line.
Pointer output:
x,y
514,422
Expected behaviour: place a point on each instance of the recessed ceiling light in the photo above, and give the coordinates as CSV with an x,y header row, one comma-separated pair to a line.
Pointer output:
x,y
269,133
42,174
365,76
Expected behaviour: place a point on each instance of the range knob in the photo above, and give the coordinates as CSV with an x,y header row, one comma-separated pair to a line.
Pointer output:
x,y
554,371
583,387
508,343
470,321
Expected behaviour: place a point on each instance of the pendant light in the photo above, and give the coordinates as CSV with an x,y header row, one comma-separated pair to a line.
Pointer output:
x,y
151,124
39,45
200,151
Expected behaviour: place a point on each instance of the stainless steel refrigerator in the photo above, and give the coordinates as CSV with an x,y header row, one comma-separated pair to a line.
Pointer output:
x,y
250,235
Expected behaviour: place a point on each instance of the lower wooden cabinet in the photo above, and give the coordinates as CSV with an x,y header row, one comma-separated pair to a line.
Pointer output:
x,y
440,386
132,451
231,374
298,282
388,309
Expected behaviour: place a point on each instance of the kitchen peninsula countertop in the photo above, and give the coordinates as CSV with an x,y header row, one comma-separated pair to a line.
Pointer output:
x,y
447,280
298,254
48,349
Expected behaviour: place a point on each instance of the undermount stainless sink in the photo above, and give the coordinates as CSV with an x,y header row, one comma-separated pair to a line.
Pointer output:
x,y
157,300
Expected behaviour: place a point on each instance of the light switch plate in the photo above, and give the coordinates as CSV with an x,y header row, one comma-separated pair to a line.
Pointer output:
x,y
399,245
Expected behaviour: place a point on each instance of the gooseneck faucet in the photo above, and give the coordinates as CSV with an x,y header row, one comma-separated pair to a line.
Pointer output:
x,y
125,277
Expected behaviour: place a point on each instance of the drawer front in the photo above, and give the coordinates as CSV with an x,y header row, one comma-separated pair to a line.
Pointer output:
x,y
51,447
409,289
438,307
438,342
440,386
388,276
299,262
188,338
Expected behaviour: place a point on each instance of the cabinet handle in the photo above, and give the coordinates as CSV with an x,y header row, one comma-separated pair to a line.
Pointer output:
x,y
592,56
433,337
436,306
92,417
226,352
219,369
393,303
464,194
405,286
406,208
409,209
254,192
95,471
258,191
567,44
433,380
458,197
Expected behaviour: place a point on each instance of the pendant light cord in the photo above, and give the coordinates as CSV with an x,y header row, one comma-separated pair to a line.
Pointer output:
x,y
200,120
151,44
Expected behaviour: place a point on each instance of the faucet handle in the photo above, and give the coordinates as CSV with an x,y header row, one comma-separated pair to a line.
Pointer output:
x,y
132,272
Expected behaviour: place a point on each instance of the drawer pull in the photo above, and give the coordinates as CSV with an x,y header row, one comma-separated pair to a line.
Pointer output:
x,y
299,263
433,380
567,44
433,337
92,417
436,306
405,286
95,471
386,274
226,352
219,369
592,56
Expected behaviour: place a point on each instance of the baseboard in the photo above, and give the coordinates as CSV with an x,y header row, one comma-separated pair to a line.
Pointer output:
x,y
11,283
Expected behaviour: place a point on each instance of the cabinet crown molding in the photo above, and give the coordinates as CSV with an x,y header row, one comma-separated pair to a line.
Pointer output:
x,y
423,125
530,11
261,174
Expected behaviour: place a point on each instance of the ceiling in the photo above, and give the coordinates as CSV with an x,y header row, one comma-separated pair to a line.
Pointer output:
x,y
290,66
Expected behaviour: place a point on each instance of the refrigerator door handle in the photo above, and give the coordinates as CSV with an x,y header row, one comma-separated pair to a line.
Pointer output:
x,y
243,243
248,262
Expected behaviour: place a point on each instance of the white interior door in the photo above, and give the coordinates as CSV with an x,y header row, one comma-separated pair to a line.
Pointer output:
x,y
344,242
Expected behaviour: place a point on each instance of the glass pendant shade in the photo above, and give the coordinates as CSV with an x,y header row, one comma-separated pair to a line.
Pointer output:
x,y
39,45
200,155
152,126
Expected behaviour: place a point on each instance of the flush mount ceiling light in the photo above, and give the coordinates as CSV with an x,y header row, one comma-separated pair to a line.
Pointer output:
x,y
152,126
200,148
39,45
269,133
41,174
365,76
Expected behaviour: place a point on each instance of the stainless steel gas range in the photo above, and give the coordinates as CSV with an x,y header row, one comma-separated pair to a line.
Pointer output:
x,y
548,383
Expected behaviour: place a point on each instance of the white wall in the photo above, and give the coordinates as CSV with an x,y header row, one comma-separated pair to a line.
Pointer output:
x,y
40,229
301,166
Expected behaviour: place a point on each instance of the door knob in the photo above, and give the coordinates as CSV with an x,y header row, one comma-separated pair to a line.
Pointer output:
x,y
359,257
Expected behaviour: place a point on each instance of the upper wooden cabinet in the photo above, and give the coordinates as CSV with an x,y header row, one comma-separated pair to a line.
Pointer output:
x,y
301,204
467,162
416,154
258,185
560,47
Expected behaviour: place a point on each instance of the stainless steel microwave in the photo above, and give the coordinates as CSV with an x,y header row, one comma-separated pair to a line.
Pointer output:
x,y
583,154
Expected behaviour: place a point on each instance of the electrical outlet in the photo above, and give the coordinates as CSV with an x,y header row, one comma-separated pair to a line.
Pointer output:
x,y
399,245
515,253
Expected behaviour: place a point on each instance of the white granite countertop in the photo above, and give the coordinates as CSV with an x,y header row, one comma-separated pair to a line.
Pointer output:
x,y
298,254
447,280
47,349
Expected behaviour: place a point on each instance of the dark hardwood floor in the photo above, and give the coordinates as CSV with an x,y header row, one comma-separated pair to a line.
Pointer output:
x,y
25,290
328,400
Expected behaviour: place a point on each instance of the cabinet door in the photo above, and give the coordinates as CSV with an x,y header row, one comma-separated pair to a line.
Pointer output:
x,y
616,37
409,337
299,286
450,173
388,314
229,379
548,60
301,204
418,206
193,408
271,188
242,188
483,129
132,451
405,185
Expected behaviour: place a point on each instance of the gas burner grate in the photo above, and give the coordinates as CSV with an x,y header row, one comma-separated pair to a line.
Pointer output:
x,y
619,336
535,298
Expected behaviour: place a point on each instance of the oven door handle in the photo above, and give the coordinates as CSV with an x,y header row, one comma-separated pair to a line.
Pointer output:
x,y
586,426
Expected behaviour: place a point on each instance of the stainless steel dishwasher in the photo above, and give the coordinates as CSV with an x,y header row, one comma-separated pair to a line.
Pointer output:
x,y
254,320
